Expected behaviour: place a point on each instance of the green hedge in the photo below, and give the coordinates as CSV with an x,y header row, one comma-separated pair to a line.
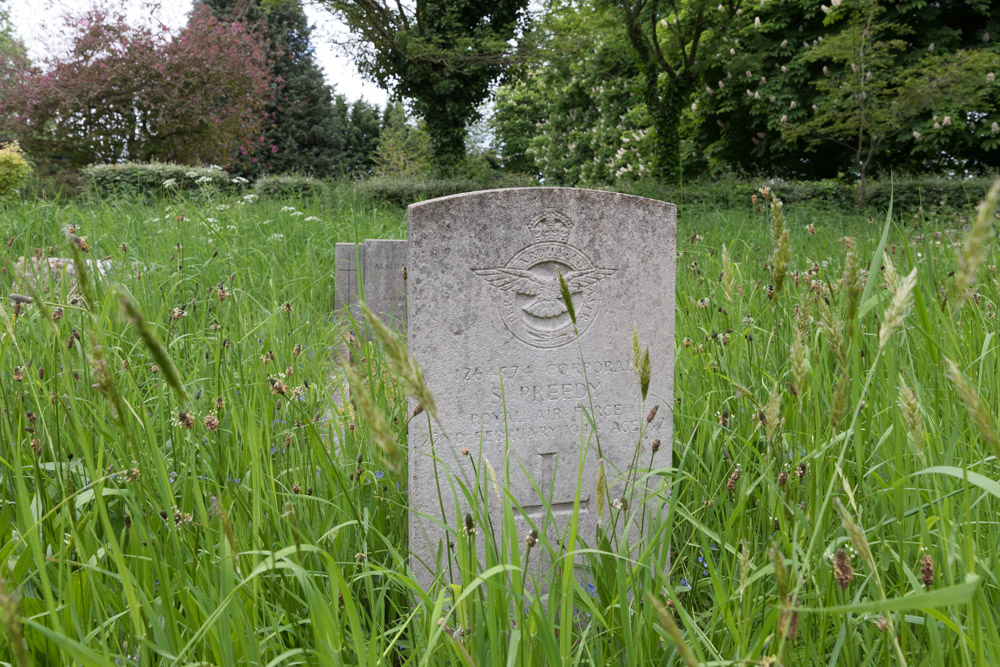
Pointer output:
x,y
399,191
908,193
290,186
138,179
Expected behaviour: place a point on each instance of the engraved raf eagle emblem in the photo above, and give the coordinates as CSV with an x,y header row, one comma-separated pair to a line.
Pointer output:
x,y
527,291
548,301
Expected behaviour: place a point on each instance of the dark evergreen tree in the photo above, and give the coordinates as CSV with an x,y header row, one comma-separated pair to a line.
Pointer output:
x,y
304,131
362,127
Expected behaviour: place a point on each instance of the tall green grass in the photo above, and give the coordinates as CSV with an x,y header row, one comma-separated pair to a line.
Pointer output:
x,y
137,529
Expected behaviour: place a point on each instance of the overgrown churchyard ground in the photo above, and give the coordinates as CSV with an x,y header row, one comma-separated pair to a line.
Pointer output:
x,y
204,499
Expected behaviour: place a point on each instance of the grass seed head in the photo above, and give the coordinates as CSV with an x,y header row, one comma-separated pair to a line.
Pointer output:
x,y
842,570
927,570
401,363
910,406
567,298
898,308
974,247
377,426
185,419
978,411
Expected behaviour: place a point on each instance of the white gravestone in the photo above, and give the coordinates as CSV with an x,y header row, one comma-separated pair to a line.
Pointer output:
x,y
484,304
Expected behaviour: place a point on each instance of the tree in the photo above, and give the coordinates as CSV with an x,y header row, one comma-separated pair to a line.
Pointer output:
x,y
760,83
14,67
361,126
670,39
870,94
442,54
403,150
303,131
134,92
578,118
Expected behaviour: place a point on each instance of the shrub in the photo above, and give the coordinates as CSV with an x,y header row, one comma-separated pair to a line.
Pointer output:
x,y
14,170
400,191
290,185
908,192
135,179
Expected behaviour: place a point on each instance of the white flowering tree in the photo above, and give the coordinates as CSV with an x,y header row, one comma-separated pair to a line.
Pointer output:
x,y
577,118
672,40
869,92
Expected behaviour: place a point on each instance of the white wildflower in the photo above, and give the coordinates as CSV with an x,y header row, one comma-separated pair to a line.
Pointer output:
x,y
170,182
191,174
222,207
756,22
784,118
916,135
204,179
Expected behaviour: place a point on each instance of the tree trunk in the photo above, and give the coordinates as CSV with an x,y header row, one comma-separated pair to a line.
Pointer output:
x,y
862,184
447,133
665,102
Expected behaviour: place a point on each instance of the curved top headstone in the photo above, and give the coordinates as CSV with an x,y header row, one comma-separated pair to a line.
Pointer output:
x,y
509,372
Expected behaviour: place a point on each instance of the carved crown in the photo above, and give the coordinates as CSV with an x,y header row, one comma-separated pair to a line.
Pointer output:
x,y
551,226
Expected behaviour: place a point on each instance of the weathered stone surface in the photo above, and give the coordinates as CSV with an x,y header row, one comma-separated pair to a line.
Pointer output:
x,y
47,274
347,257
487,324
383,263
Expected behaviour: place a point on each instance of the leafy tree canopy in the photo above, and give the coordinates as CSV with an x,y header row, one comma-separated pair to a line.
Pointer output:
x,y
442,54
136,92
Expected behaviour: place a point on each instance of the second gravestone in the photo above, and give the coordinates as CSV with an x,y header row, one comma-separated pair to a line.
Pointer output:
x,y
487,323
383,279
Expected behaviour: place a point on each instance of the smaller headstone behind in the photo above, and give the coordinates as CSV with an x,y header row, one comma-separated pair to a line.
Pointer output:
x,y
383,279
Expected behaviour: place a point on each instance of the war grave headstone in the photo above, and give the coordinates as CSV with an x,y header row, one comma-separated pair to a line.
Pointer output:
x,y
488,325
383,273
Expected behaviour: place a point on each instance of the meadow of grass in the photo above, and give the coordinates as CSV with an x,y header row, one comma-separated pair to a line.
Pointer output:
x,y
182,481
